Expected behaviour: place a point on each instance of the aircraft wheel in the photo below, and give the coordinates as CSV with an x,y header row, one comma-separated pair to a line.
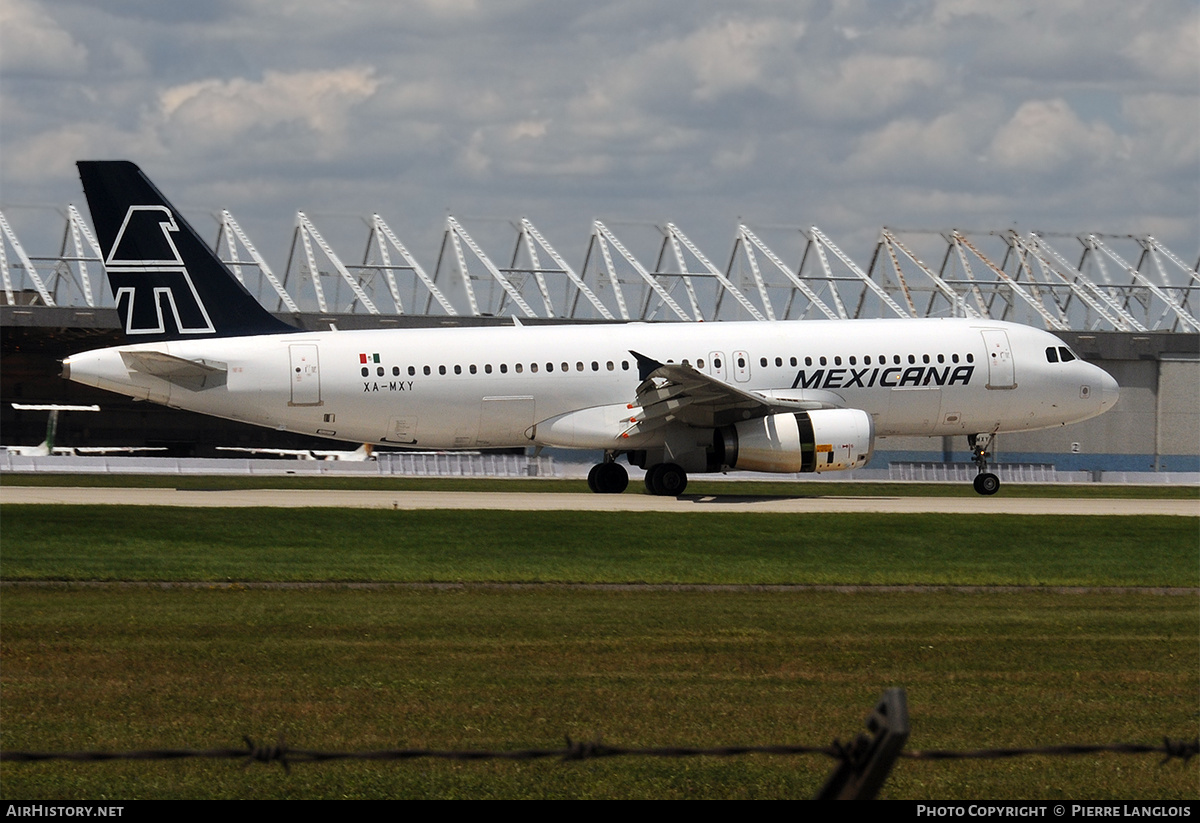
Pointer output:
x,y
611,479
652,478
987,483
667,480
593,477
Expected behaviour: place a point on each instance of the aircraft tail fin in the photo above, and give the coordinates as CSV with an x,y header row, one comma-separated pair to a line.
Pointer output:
x,y
168,285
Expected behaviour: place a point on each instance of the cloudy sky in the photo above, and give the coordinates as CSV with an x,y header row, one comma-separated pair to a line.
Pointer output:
x,y
1066,116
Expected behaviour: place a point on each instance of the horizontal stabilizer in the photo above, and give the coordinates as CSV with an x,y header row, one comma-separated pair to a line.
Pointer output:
x,y
194,375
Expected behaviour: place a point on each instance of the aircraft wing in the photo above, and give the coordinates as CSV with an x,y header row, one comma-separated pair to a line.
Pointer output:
x,y
675,392
195,375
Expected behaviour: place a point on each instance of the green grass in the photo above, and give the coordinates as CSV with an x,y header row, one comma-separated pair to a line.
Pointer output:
x,y
123,668
164,543
350,669
697,486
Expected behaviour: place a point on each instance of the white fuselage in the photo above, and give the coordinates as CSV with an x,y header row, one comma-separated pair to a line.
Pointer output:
x,y
469,388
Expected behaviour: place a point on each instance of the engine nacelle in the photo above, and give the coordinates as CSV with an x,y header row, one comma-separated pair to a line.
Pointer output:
x,y
815,441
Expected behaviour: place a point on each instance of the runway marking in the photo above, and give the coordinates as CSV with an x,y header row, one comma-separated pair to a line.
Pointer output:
x,y
518,501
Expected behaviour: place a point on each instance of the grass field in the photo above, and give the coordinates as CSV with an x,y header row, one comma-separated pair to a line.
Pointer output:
x,y
337,667
157,543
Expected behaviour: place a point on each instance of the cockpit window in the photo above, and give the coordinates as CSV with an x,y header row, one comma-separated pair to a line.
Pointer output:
x,y
1066,354
1051,354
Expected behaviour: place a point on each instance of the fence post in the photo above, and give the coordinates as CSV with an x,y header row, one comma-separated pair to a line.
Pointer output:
x,y
868,761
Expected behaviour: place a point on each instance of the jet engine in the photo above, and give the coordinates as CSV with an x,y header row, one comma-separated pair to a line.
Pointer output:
x,y
814,441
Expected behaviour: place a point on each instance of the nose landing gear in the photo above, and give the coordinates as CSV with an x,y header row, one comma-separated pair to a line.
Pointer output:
x,y
985,482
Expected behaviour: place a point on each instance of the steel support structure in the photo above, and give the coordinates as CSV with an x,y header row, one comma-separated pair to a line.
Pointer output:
x,y
1001,275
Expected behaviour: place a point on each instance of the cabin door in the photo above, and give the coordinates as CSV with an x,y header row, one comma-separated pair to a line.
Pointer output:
x,y
1001,374
306,375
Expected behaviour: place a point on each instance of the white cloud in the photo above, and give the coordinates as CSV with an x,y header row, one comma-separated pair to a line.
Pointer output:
x,y
226,110
1166,132
1046,135
1170,52
31,41
866,87
947,145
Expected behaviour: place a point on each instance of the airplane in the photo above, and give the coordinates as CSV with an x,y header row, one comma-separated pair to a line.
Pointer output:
x,y
672,398
47,448
362,454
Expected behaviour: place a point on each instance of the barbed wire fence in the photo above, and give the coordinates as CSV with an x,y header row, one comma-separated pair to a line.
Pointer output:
x,y
862,765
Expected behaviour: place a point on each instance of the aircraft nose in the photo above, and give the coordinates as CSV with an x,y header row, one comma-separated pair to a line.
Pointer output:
x,y
1110,392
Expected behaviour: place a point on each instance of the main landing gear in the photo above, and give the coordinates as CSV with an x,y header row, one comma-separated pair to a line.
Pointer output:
x,y
608,477
663,479
985,482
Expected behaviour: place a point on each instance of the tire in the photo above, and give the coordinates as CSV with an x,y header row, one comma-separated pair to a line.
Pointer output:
x,y
652,478
594,477
987,483
611,479
671,480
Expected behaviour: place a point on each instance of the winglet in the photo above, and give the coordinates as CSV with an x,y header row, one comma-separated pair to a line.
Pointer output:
x,y
646,365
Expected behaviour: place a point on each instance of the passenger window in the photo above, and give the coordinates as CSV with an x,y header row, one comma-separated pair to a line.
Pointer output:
x,y
808,361
625,365
912,359
924,358
473,369
427,370
487,369
395,371
458,369
793,361
1051,354
778,361
762,361
837,361
533,367
896,359
579,367
412,370
941,358
610,365
504,368
595,366
519,368
441,369
823,361
700,363
970,357
379,371
1067,356
366,372
853,360
954,358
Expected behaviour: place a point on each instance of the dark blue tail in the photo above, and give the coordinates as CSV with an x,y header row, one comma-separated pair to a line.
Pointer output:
x,y
166,282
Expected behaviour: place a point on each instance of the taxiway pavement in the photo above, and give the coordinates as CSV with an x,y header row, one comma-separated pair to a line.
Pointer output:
x,y
630,501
